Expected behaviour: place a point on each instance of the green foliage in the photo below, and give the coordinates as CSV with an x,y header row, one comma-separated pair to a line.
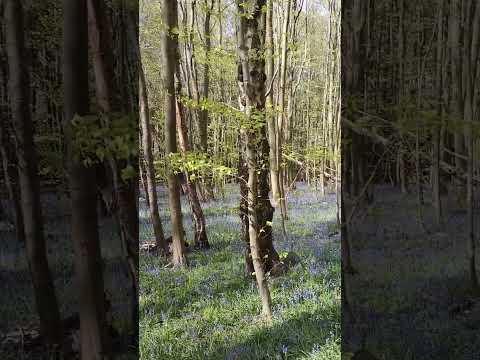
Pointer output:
x,y
197,165
316,153
248,9
97,138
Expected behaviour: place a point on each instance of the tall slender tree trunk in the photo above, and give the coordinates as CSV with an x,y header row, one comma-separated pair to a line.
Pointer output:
x,y
454,40
470,201
204,115
436,128
401,177
44,291
471,70
282,110
169,52
272,128
84,223
143,177
149,168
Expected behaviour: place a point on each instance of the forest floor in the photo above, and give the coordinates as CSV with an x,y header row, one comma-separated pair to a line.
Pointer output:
x,y
411,284
211,311
17,304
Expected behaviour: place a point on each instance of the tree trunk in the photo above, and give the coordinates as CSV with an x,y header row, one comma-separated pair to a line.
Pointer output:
x,y
436,128
281,116
201,239
454,40
143,177
254,230
169,52
149,168
124,190
10,175
272,128
472,74
470,211
7,152
190,188
258,210
44,291
204,115
84,223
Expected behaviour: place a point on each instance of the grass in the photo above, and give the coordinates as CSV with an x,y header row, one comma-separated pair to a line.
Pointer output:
x,y
211,311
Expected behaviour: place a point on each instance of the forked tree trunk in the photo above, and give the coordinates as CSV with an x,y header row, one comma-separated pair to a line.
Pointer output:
x,y
84,223
44,291
169,52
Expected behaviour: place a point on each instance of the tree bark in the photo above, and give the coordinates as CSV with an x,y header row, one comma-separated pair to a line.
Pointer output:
x,y
436,128
169,52
204,115
44,291
149,168
257,208
456,73
272,128
281,129
84,223
10,175
201,239
124,190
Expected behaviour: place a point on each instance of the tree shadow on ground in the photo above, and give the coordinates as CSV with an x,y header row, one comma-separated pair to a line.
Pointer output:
x,y
296,336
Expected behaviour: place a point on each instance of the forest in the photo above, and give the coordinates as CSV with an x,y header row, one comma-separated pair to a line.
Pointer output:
x,y
410,182
239,179
240,172
68,195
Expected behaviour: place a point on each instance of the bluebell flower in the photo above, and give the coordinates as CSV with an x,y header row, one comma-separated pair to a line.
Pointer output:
x,y
163,316
153,270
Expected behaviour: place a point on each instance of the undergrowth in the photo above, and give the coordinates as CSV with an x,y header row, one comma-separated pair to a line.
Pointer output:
x,y
211,311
